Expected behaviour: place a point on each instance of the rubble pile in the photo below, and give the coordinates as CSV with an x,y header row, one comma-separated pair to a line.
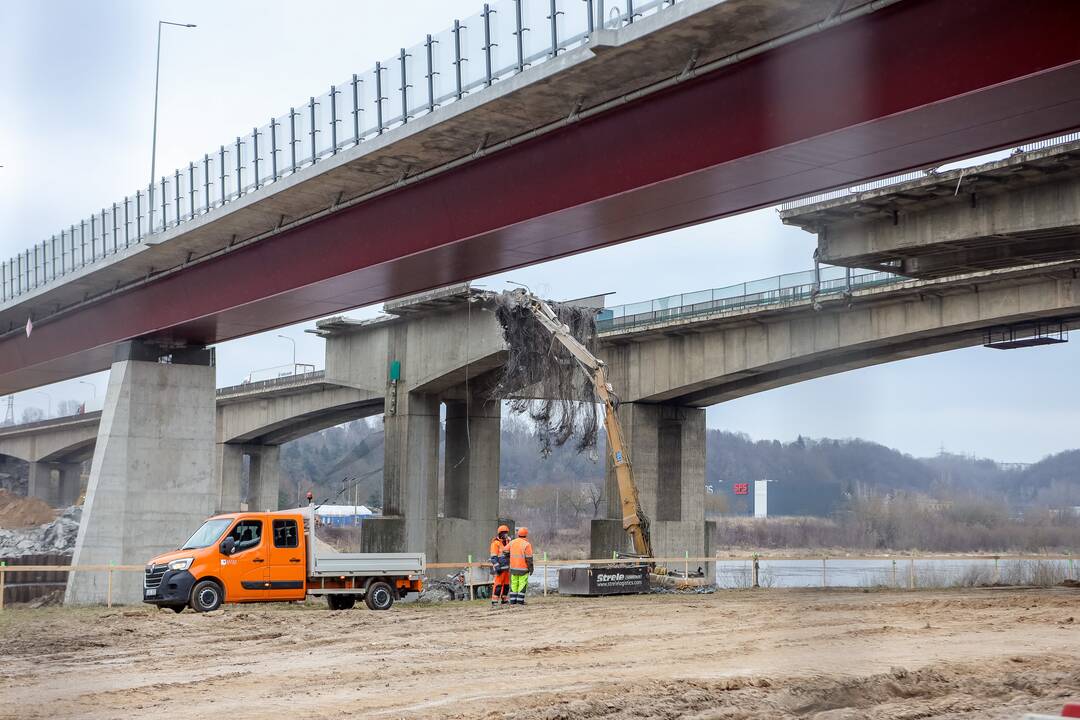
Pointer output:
x,y
55,537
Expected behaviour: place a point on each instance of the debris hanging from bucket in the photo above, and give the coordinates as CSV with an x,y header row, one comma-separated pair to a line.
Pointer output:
x,y
541,368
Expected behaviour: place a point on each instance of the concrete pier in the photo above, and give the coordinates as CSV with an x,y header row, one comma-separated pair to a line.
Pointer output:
x,y
666,445
151,482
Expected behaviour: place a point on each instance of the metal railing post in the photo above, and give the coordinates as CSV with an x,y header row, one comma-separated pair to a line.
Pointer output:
x,y
430,73
486,14
591,12
206,180
311,119
520,34
404,87
164,204
273,149
356,107
221,168
240,171
176,192
629,12
82,243
457,58
127,222
292,139
191,190
255,158
553,18
333,119
378,98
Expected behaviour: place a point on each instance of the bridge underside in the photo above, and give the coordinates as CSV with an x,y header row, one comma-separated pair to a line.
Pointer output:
x,y
913,84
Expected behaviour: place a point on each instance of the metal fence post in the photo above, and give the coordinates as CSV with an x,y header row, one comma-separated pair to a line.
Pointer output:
x,y
311,119
255,158
430,73
164,204
356,107
206,181
755,571
468,579
176,192
629,12
894,572
553,17
520,36
486,14
911,574
221,173
292,139
591,11
404,87
191,193
457,58
239,170
333,121
378,97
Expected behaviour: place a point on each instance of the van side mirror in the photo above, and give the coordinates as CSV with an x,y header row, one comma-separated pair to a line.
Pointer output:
x,y
228,546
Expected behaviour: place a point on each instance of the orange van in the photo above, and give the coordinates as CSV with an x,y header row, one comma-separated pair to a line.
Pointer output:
x,y
273,557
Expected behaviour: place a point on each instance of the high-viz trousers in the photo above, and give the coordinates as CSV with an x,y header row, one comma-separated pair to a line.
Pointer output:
x,y
517,589
500,588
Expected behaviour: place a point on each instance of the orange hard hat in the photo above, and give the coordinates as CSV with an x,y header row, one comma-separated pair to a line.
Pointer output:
x,y
523,532
503,529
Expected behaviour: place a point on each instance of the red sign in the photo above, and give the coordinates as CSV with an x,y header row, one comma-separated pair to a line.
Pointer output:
x,y
742,488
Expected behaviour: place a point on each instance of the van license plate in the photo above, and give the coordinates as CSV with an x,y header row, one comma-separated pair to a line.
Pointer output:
x,y
151,593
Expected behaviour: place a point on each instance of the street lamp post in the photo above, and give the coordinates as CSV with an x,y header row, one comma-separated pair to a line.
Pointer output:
x,y
93,390
286,337
49,398
153,142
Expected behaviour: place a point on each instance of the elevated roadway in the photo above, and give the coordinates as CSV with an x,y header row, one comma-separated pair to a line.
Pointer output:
x,y
698,111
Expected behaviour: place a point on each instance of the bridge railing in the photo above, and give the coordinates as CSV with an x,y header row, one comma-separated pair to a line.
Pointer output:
x,y
500,41
915,175
273,383
792,287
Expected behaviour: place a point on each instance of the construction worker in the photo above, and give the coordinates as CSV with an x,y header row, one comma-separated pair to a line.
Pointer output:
x,y
521,565
500,567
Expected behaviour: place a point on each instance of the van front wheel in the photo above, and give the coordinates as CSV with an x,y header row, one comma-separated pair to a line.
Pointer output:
x,y
206,596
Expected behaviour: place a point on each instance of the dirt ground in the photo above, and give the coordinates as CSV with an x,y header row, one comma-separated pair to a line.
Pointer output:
x,y
17,511
832,655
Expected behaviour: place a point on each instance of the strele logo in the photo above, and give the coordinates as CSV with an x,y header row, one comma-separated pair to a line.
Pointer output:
x,y
610,577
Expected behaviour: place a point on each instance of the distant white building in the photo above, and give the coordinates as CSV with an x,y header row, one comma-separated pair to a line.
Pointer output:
x,y
342,515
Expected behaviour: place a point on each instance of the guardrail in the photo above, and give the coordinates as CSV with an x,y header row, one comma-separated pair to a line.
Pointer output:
x,y
273,383
916,175
500,41
788,288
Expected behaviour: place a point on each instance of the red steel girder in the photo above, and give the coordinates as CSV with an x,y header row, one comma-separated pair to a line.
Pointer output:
x,y
915,83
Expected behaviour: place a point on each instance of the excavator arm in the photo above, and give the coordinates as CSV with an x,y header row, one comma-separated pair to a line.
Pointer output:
x,y
634,520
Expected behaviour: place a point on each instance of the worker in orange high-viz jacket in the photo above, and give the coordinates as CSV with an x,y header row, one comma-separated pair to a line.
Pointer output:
x,y
500,567
521,565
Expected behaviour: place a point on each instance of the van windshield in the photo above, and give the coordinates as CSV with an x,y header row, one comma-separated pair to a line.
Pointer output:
x,y
206,535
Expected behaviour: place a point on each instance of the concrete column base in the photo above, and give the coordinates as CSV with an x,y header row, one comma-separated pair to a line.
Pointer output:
x,y
151,481
411,471
41,483
70,483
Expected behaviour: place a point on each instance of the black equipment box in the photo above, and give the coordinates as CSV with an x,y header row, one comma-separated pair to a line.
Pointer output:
x,y
604,580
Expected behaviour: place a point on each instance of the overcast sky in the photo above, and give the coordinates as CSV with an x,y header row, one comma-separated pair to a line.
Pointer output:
x,y
76,79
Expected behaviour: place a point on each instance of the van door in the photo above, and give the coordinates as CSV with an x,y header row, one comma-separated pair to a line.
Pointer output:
x,y
245,572
288,566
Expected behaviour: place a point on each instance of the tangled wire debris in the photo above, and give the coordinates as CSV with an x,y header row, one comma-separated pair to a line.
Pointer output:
x,y
540,367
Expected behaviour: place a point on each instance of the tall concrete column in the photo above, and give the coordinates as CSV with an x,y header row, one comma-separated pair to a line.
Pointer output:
x,y
410,478
151,481
70,483
666,445
229,464
264,476
470,478
41,483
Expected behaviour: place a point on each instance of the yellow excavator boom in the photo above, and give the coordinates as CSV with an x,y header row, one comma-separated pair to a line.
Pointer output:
x,y
634,520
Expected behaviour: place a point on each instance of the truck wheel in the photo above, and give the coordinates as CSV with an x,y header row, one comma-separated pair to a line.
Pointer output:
x,y
341,602
206,596
380,596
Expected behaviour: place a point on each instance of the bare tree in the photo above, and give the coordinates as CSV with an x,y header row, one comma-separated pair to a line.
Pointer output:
x,y
32,414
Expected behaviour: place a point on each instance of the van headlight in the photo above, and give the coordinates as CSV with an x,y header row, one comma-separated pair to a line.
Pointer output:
x,y
181,564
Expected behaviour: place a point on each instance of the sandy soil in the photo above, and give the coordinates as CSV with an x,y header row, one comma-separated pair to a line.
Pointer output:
x,y
737,654
17,511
